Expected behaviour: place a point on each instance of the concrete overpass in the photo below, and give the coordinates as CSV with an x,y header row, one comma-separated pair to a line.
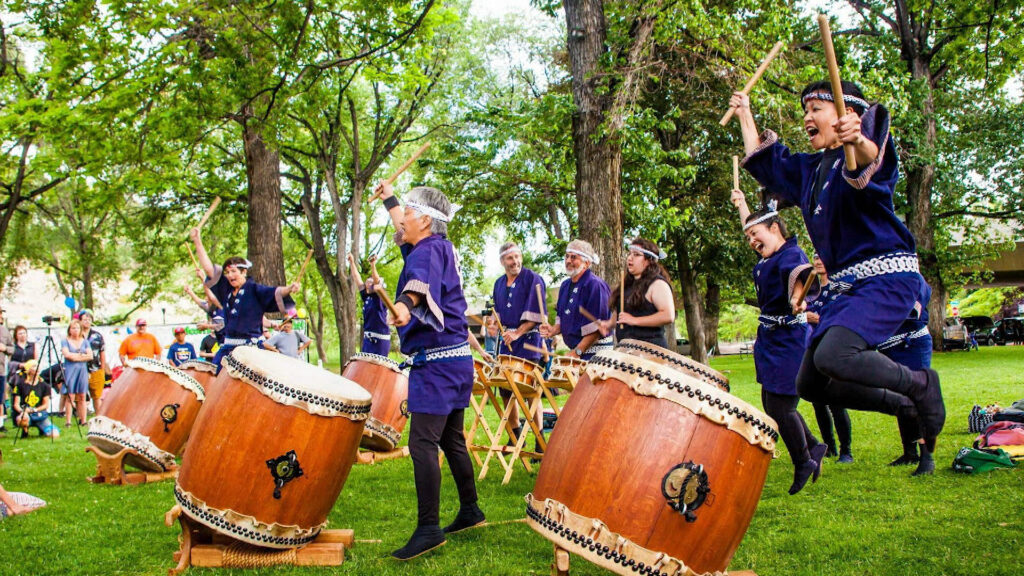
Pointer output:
x,y
1007,269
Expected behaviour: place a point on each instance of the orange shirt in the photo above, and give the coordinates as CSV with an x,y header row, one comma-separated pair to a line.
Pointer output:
x,y
136,345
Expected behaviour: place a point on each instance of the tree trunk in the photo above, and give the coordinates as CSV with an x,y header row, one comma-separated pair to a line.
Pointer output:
x,y
712,313
598,157
691,301
263,171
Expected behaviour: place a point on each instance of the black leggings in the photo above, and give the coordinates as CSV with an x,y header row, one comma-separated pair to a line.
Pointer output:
x,y
825,415
794,431
427,432
839,369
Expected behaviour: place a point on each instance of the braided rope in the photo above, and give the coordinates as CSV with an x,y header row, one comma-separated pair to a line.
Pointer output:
x,y
241,555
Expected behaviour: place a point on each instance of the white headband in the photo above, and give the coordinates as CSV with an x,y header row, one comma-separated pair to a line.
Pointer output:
x,y
772,212
509,251
588,257
659,256
847,98
432,212
245,265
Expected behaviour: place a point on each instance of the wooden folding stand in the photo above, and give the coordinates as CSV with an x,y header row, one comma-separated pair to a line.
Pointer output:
x,y
528,394
110,469
201,546
560,567
483,394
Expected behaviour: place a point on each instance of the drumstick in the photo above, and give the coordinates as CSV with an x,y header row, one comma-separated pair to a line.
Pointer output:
x,y
193,255
801,293
735,172
302,270
753,79
209,211
391,179
586,314
542,307
622,293
387,301
533,348
837,85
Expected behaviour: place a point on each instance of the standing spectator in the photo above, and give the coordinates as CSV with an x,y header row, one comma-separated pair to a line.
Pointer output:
x,y
99,372
77,354
31,401
287,341
6,348
208,347
23,350
180,351
140,344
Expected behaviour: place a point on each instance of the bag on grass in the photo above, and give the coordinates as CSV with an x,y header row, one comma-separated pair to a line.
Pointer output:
x,y
1009,415
978,419
975,461
1000,434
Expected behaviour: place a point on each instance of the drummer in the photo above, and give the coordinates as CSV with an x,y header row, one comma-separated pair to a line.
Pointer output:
x,y
376,334
582,289
516,304
648,304
245,302
434,333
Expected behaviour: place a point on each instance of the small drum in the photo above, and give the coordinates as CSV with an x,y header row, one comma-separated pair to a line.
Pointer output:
x,y
565,369
481,375
672,485
389,386
272,449
151,409
204,372
679,362
516,363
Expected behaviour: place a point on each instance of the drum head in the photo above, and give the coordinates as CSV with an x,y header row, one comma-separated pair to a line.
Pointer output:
x,y
300,376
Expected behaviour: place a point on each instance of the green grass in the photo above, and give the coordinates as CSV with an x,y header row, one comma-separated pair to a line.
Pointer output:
x,y
864,518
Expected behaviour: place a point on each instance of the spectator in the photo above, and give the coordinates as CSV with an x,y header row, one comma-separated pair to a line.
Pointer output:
x,y
14,503
31,401
141,344
288,341
23,350
6,348
180,351
208,347
99,372
490,333
77,354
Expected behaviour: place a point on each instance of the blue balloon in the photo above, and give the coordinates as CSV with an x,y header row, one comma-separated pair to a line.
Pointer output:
x,y
69,302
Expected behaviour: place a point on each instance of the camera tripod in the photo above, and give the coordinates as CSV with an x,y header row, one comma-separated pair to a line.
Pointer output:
x,y
49,354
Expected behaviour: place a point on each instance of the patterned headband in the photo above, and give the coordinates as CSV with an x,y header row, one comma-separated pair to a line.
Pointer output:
x,y
244,265
772,212
429,211
847,98
659,256
512,249
588,257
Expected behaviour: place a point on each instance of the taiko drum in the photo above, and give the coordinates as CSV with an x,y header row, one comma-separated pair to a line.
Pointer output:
x,y
389,386
651,471
151,408
682,363
204,372
271,449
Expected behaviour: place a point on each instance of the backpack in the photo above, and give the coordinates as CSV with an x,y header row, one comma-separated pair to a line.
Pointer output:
x,y
975,461
1001,434
978,419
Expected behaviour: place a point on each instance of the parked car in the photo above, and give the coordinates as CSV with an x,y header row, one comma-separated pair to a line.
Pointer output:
x,y
981,327
1009,331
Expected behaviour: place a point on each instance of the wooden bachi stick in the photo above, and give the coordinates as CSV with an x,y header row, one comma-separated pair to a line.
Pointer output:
x,y
735,172
837,85
415,156
302,270
209,211
753,79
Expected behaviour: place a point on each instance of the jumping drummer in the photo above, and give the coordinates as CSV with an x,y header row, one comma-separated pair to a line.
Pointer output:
x,y
434,333
376,333
866,248
582,289
516,304
648,306
781,335
245,302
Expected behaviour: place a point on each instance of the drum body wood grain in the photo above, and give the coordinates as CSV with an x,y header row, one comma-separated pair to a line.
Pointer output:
x,y
151,408
389,386
271,449
657,466
204,372
679,362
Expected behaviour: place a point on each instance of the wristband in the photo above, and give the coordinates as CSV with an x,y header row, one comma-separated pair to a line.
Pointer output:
x,y
407,300
390,202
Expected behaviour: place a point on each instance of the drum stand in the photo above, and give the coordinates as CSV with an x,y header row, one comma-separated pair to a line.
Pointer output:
x,y
560,567
482,388
530,410
371,457
110,469
201,546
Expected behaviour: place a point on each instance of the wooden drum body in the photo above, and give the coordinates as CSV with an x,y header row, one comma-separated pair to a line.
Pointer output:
x,y
272,449
677,361
150,409
517,363
566,369
204,372
648,465
389,386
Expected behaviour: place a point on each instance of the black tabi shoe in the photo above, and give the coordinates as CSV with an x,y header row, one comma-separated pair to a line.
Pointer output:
x,y
468,517
927,464
423,540
927,397
802,474
831,452
906,459
818,456
845,458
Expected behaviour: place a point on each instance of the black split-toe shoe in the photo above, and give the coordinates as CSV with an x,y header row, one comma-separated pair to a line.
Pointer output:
x,y
468,517
423,540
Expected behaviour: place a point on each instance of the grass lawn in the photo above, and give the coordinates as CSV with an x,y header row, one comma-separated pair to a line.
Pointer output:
x,y
859,519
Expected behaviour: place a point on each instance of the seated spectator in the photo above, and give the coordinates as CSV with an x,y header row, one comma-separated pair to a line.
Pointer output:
x,y
14,503
31,401
180,351
141,344
287,341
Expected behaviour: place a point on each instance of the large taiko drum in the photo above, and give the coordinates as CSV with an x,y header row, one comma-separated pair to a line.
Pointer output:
x,y
271,450
679,362
670,487
151,408
389,386
204,372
